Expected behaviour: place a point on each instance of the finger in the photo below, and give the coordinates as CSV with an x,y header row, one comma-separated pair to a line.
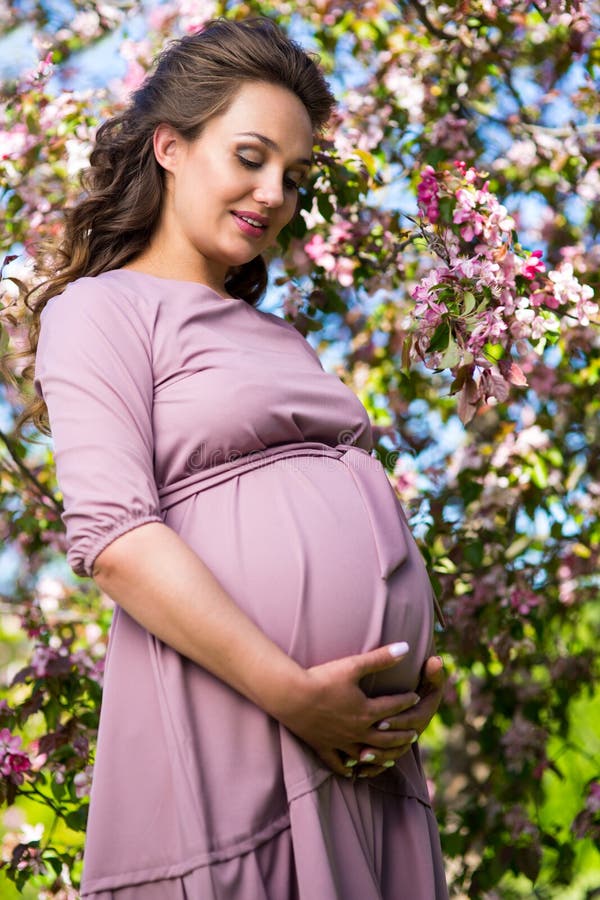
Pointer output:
x,y
366,771
417,718
334,762
384,740
370,771
433,672
387,750
412,700
380,659
381,708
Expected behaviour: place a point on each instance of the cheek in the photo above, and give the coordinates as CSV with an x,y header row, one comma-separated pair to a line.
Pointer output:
x,y
290,208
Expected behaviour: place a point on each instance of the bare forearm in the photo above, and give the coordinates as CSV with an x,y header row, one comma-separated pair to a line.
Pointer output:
x,y
164,585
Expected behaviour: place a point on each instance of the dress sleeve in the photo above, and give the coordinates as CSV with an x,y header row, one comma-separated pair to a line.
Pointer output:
x,y
93,369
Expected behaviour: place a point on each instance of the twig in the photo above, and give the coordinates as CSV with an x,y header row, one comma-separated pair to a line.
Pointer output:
x,y
433,29
27,473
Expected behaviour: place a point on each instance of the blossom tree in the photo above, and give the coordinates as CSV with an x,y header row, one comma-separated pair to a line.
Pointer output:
x,y
446,256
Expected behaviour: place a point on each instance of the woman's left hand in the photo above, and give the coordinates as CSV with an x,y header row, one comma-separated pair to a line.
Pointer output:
x,y
416,719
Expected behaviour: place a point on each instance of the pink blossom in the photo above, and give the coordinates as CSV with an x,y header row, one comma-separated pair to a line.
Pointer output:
x,y
568,290
523,601
408,91
339,232
86,24
450,133
427,307
519,823
194,15
523,743
159,16
49,661
593,798
13,761
42,71
328,253
319,251
523,153
427,194
292,303
344,270
14,143
83,782
532,266
467,214
527,324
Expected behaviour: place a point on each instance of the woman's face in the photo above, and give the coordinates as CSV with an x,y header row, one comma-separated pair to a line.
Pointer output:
x,y
231,191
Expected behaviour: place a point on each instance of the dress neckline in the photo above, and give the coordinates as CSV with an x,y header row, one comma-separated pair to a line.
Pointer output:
x,y
178,281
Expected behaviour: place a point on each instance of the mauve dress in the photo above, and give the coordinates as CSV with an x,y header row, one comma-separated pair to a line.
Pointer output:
x,y
168,403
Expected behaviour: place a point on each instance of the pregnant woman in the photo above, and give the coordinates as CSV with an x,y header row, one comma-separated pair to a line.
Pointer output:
x,y
273,615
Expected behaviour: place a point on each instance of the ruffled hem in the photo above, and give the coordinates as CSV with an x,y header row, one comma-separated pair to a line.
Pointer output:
x,y
267,873
346,841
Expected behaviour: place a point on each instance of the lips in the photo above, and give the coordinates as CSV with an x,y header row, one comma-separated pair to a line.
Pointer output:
x,y
255,218
247,223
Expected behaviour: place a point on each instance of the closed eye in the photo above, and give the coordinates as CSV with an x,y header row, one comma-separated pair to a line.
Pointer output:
x,y
250,164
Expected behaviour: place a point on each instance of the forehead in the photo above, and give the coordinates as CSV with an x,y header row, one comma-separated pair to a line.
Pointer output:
x,y
271,110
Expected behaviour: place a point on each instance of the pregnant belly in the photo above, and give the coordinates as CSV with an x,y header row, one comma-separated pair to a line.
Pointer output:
x,y
294,545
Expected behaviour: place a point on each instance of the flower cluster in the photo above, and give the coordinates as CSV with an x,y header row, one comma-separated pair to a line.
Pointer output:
x,y
486,300
13,761
326,253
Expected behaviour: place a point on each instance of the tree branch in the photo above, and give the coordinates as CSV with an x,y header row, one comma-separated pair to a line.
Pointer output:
x,y
26,473
431,28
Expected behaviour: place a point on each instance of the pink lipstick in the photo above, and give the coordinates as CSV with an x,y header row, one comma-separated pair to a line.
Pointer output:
x,y
250,223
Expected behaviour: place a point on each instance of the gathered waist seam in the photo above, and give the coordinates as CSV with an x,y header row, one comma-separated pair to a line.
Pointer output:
x,y
207,478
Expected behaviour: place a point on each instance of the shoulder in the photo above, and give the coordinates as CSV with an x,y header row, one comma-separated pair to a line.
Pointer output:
x,y
101,299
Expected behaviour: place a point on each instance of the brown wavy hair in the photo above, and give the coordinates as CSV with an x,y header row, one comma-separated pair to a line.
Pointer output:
x,y
195,78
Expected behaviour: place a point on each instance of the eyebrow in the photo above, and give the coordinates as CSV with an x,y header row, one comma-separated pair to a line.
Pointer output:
x,y
271,144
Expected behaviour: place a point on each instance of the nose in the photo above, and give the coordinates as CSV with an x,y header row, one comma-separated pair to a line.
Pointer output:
x,y
269,190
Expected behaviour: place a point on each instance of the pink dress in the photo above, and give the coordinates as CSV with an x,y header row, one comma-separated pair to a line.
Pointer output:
x,y
169,403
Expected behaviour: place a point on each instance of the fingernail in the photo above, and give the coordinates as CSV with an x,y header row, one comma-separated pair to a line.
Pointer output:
x,y
418,700
440,659
389,763
351,762
367,757
347,774
415,738
399,649
384,726
363,774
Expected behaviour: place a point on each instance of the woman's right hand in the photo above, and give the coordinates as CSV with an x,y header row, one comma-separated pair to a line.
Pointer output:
x,y
336,718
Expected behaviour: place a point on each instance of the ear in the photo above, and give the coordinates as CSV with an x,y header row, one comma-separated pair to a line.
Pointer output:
x,y
167,143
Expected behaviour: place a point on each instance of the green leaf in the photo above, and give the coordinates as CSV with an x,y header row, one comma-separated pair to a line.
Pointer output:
x,y
451,357
54,861
493,352
77,819
440,338
517,547
369,161
325,206
539,473
473,553
469,301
